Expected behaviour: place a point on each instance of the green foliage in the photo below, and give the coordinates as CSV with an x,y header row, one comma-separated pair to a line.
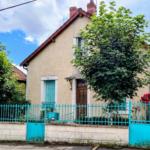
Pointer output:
x,y
115,41
117,120
10,91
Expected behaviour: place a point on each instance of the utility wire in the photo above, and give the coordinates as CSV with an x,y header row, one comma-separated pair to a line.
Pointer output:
x,y
18,5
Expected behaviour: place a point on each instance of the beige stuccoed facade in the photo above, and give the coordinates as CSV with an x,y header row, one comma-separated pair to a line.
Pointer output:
x,y
54,60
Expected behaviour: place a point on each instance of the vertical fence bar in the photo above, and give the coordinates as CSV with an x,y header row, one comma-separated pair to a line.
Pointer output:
x,y
115,113
134,112
105,114
125,113
95,118
129,113
59,113
102,115
70,113
98,114
1,112
88,114
27,113
62,111
92,114
108,114
121,113
141,112
45,114
16,113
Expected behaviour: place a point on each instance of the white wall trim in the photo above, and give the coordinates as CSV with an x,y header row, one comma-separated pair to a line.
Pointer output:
x,y
74,92
49,78
43,79
74,96
27,84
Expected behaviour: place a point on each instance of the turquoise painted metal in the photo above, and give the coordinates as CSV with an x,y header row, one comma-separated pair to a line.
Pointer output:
x,y
50,92
136,116
35,132
139,124
80,114
53,115
139,134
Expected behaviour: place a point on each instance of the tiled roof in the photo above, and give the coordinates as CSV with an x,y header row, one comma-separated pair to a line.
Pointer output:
x,y
21,76
54,35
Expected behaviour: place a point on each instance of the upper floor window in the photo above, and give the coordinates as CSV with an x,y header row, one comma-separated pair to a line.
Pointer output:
x,y
79,43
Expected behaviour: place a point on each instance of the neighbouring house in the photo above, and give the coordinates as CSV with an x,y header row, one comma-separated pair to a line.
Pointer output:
x,y
21,76
51,78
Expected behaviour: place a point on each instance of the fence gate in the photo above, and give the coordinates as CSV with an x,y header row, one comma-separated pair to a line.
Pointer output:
x,y
139,124
35,124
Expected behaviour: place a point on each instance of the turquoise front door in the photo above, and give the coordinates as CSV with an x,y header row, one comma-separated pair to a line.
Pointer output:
x,y
50,92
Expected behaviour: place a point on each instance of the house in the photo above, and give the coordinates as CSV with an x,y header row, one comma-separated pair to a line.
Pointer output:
x,y
49,66
21,76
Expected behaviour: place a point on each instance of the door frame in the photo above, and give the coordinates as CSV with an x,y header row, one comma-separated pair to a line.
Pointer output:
x,y
43,81
74,94
77,93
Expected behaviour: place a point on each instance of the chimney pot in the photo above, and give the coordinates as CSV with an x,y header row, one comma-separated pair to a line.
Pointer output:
x,y
73,10
91,7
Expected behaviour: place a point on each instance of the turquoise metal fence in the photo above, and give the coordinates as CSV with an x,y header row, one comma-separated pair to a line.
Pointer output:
x,y
139,113
139,124
14,113
78,114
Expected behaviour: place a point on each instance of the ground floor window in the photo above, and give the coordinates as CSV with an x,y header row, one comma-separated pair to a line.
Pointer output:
x,y
49,90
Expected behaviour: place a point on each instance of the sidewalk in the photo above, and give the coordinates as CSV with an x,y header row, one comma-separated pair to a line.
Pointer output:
x,y
24,146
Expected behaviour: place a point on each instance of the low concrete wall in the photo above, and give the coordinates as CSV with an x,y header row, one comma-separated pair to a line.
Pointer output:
x,y
12,131
85,133
68,133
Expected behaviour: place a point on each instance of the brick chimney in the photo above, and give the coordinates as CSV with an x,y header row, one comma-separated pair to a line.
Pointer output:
x,y
73,10
91,7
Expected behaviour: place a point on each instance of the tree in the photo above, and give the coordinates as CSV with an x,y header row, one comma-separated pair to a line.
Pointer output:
x,y
115,44
10,91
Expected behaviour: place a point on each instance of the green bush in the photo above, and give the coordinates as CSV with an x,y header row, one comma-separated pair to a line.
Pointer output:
x,y
102,120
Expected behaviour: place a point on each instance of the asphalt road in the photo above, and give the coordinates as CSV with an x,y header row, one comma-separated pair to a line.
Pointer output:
x,y
41,147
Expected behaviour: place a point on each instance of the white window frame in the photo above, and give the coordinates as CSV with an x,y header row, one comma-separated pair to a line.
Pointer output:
x,y
43,84
75,43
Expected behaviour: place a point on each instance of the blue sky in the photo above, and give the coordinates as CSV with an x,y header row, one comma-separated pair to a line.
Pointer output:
x,y
24,28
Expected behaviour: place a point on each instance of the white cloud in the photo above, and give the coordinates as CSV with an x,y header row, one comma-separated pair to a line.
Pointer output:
x,y
29,38
21,68
38,20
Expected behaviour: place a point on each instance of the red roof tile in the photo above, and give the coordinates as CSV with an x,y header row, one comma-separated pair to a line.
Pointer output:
x,y
54,35
21,76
